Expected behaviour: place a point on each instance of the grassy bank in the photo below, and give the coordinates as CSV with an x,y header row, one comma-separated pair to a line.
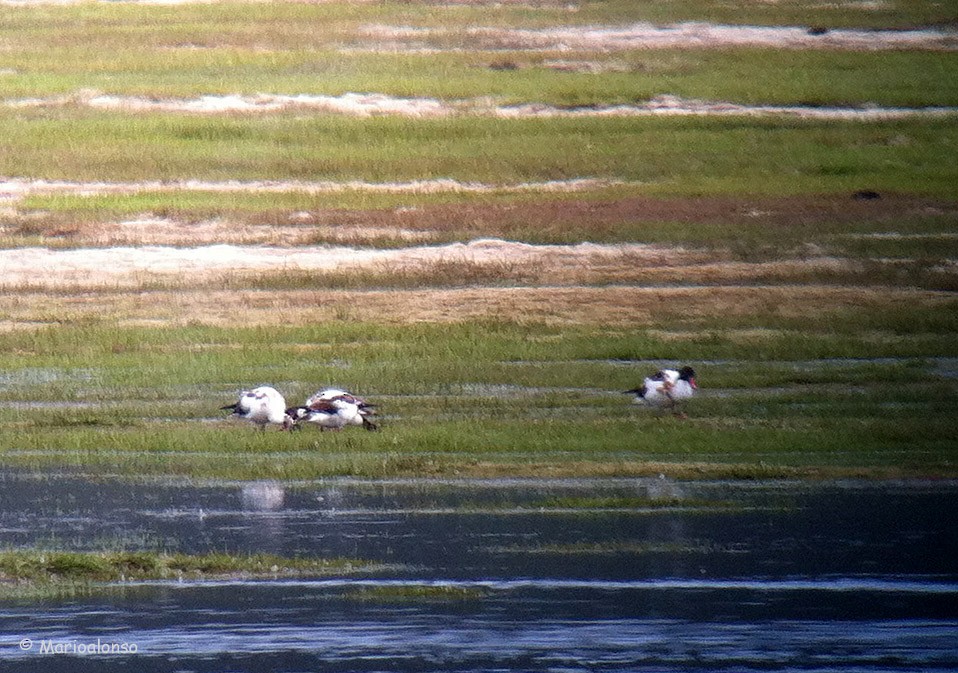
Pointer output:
x,y
485,400
806,268
32,574
749,76
664,156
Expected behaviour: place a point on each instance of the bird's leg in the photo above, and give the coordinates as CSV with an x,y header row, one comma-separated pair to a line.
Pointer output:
x,y
674,404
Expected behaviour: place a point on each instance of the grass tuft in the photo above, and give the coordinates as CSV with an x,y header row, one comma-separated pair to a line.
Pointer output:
x,y
39,573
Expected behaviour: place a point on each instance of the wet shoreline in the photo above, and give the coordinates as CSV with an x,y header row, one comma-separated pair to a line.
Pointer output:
x,y
512,574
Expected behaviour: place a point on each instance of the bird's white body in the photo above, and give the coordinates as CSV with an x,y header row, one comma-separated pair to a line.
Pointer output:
x,y
667,387
333,409
349,407
326,416
262,406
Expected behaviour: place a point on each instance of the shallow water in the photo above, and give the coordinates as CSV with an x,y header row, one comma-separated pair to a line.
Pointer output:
x,y
610,575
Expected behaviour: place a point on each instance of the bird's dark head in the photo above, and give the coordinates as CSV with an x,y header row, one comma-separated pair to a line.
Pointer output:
x,y
688,374
296,413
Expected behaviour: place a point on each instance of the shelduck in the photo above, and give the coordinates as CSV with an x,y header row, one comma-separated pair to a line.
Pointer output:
x,y
666,388
324,414
262,406
333,409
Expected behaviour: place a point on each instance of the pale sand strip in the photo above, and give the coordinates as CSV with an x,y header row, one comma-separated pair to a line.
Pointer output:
x,y
372,104
14,189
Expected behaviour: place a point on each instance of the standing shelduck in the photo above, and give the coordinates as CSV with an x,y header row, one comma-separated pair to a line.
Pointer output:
x,y
666,388
262,406
333,409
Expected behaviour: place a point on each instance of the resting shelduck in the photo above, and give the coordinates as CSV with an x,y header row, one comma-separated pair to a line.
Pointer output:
x,y
262,406
333,409
667,387
324,414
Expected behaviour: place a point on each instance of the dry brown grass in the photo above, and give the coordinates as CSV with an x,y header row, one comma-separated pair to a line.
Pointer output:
x,y
560,219
636,307
634,285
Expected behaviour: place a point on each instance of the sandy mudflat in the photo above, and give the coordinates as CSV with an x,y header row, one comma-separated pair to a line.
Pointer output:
x,y
368,105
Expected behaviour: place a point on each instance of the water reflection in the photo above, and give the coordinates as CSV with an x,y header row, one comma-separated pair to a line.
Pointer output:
x,y
616,575
265,525
262,496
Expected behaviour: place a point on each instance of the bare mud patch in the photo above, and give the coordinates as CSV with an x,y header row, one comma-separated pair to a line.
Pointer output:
x,y
626,284
160,231
690,35
16,189
483,262
164,231
586,66
118,266
598,215
674,106
564,219
371,104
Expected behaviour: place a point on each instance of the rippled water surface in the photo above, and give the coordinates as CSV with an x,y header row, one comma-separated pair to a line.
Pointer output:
x,y
567,575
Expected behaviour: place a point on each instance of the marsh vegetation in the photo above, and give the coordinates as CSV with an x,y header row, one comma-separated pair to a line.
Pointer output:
x,y
489,399
491,282
488,219
28,573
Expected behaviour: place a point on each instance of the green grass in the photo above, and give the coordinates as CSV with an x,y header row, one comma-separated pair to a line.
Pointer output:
x,y
31,573
787,12
118,566
414,359
850,387
485,400
414,593
760,439
282,27
292,48
288,48
747,76
667,156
